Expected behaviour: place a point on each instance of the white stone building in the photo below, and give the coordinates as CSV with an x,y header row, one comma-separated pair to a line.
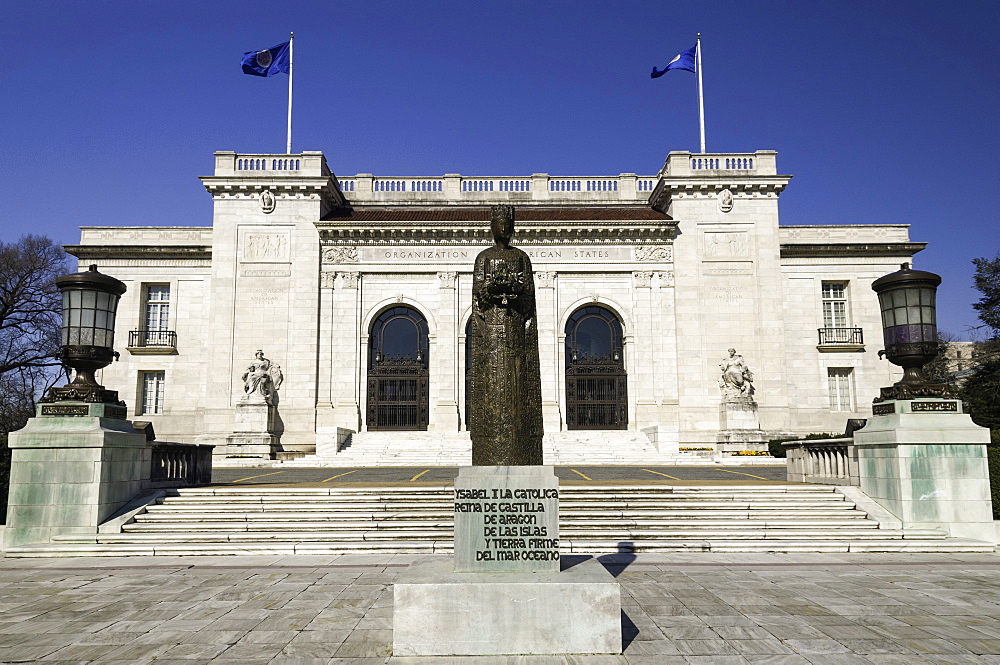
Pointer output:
x,y
642,284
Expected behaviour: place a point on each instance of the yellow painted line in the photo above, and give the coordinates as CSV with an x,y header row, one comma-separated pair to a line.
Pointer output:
x,y
339,475
419,474
252,477
661,474
580,474
743,474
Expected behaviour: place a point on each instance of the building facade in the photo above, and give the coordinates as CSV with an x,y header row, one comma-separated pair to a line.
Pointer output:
x,y
359,288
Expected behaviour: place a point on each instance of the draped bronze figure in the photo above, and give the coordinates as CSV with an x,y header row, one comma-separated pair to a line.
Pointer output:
x,y
505,418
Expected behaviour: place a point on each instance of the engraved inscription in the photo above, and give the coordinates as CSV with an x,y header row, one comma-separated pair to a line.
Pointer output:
x,y
65,410
514,524
265,296
918,407
883,409
729,294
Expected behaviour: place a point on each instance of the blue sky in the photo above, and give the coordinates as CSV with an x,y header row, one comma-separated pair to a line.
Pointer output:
x,y
883,112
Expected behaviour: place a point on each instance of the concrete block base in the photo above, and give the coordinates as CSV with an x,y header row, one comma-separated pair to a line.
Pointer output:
x,y
925,462
252,444
438,612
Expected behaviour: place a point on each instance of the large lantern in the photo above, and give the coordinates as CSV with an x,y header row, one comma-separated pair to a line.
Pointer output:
x,y
907,299
89,304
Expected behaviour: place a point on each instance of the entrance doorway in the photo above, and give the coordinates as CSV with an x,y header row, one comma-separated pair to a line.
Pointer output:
x,y
596,381
397,371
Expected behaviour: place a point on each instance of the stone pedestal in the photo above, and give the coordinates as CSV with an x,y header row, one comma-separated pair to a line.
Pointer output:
x,y
438,612
739,426
72,467
925,461
506,519
253,435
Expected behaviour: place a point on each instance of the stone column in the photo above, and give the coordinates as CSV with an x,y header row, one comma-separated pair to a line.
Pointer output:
x,y
549,350
925,462
444,382
347,356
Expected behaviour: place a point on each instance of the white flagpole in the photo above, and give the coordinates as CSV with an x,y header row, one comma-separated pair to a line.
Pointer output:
x,y
291,50
701,95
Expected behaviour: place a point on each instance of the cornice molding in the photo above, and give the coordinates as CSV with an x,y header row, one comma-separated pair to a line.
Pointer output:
x,y
798,250
282,186
527,233
705,186
189,252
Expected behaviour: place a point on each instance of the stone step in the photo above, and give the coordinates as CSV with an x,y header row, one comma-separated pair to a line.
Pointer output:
x,y
594,519
638,535
567,546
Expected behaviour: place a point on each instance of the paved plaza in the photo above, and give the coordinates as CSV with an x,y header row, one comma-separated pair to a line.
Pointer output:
x,y
778,609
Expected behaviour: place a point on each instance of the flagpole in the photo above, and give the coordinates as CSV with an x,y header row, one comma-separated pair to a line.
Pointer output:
x,y
701,95
291,51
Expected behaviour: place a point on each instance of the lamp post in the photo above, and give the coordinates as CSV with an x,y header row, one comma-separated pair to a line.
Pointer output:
x,y
907,299
89,304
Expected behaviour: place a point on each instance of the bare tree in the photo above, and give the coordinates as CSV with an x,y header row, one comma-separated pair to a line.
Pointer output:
x,y
30,309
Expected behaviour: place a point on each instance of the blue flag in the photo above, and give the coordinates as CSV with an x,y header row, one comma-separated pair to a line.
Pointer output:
x,y
683,61
268,62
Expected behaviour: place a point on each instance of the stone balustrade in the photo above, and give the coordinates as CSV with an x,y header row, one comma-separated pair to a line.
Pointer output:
x,y
308,163
538,187
180,464
825,461
681,163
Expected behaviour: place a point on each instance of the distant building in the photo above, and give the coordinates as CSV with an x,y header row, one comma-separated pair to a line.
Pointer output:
x,y
359,287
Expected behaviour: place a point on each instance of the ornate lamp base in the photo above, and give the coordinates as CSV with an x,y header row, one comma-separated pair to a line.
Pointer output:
x,y
82,393
916,390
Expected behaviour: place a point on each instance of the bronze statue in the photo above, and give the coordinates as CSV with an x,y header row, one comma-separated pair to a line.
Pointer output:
x,y
505,417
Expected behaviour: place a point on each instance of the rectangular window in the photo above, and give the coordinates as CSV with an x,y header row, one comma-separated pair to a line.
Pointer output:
x,y
835,305
841,382
152,392
157,307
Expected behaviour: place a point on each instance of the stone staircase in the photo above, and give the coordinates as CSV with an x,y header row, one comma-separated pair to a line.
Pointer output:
x,y
580,447
594,519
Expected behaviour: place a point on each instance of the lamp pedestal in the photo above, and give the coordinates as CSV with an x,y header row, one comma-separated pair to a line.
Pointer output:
x,y
72,467
924,460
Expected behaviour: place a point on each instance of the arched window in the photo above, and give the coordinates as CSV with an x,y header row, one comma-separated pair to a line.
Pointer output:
x,y
596,381
397,371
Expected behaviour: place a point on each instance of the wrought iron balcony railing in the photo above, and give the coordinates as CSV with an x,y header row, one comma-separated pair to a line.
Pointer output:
x,y
159,339
828,336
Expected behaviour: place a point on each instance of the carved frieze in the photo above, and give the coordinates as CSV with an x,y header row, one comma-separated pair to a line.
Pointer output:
x,y
265,247
659,253
725,245
340,255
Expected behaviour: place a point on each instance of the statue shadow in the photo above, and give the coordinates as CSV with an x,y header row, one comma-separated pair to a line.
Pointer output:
x,y
614,563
